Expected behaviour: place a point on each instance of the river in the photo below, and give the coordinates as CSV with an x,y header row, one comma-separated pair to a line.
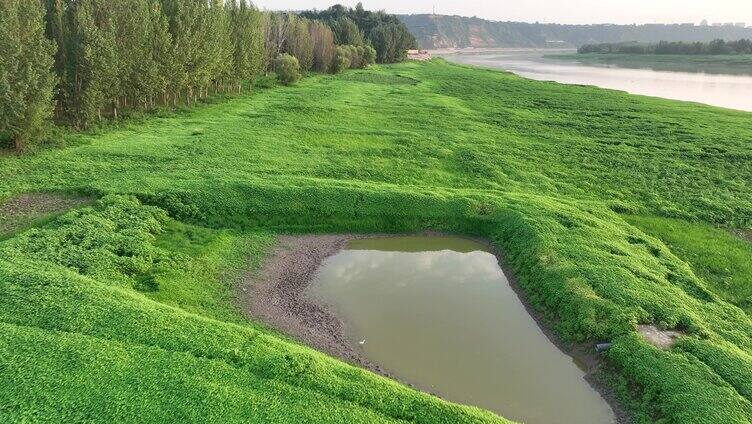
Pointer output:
x,y
717,89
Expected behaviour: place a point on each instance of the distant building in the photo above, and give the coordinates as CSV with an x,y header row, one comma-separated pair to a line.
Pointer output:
x,y
741,24
687,24
717,24
418,55
704,22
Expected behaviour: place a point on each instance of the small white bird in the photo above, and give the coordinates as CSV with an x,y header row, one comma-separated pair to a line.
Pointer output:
x,y
362,342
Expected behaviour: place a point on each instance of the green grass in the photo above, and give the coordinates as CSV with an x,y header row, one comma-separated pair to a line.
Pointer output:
x,y
716,64
202,258
124,311
723,260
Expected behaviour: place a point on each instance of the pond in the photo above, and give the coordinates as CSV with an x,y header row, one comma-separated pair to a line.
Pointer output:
x,y
668,81
439,314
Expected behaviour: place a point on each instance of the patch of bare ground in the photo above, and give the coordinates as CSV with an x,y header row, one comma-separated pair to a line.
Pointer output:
x,y
663,339
18,212
745,234
275,296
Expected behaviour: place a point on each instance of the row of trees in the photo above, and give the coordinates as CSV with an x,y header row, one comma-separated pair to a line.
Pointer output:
x,y
715,47
136,54
87,60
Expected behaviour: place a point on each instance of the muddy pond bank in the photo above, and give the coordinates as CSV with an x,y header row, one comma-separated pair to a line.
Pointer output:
x,y
279,295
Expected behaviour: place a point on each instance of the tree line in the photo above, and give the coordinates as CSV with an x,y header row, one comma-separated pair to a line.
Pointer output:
x,y
715,47
84,61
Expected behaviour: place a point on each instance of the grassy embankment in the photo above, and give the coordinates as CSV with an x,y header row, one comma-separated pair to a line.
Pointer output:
x,y
122,312
714,64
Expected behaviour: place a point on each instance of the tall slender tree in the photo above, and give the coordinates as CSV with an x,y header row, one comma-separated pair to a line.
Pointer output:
x,y
93,77
299,43
26,77
323,46
247,39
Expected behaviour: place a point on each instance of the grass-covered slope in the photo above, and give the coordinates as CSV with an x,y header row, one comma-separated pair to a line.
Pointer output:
x,y
135,298
81,340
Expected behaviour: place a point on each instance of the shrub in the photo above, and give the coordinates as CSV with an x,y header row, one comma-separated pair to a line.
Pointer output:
x,y
341,59
287,68
353,57
369,56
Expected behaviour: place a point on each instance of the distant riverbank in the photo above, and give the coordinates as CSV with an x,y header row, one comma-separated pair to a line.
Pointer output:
x,y
709,64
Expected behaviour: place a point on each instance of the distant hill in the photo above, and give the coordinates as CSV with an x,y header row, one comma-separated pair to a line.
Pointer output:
x,y
441,31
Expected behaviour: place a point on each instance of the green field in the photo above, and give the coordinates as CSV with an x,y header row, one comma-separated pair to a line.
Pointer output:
x,y
603,203
714,64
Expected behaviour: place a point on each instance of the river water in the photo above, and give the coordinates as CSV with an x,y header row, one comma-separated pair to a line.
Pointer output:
x,y
729,90
439,313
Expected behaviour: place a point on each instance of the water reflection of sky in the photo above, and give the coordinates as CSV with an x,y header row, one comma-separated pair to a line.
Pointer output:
x,y
730,91
448,322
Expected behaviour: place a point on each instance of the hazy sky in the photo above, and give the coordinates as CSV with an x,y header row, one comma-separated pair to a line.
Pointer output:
x,y
563,11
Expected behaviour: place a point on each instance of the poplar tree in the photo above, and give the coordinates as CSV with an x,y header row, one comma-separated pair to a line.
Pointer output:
x,y
323,46
93,71
56,24
26,78
136,66
247,41
163,55
299,43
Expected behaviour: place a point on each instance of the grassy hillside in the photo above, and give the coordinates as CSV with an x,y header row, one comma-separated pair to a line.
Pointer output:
x,y
122,310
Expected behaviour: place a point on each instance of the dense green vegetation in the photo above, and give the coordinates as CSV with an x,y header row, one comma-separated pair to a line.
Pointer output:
x,y
123,308
720,258
715,47
118,314
359,27
441,31
26,82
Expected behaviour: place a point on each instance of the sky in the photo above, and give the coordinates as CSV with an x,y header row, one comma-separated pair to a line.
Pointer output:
x,y
561,11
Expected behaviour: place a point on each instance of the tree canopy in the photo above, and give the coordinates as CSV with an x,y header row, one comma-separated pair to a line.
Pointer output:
x,y
356,26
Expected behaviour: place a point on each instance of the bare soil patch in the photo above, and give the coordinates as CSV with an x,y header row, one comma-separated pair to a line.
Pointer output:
x,y
275,294
745,234
663,339
17,212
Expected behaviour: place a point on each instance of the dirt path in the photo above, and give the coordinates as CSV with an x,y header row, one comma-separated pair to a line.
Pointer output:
x,y
275,295
20,211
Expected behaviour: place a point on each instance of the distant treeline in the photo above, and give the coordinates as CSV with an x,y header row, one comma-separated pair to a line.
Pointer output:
x,y
83,61
441,31
715,47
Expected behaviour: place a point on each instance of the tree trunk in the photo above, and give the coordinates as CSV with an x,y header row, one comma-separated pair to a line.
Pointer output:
x,y
18,143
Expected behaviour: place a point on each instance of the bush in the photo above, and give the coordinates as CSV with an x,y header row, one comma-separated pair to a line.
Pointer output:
x,y
341,59
369,56
287,68
353,57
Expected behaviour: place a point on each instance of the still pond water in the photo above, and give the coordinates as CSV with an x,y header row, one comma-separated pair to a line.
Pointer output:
x,y
439,313
717,89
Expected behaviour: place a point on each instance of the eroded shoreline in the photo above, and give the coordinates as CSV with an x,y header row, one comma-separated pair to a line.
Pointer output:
x,y
275,295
